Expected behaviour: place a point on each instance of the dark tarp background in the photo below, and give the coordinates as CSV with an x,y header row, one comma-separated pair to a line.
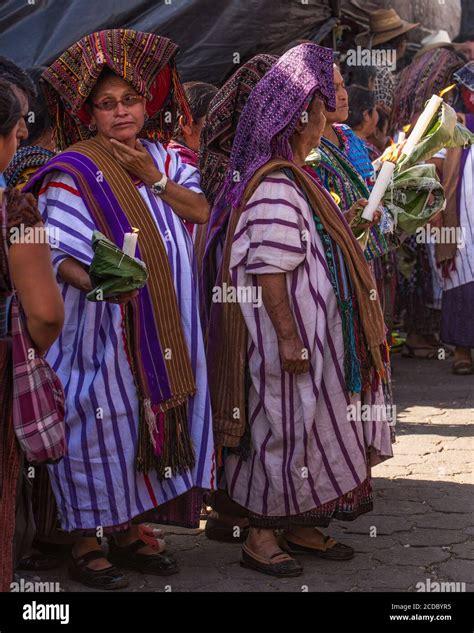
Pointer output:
x,y
208,32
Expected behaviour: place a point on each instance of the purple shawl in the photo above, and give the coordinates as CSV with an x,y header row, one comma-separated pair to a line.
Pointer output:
x,y
273,110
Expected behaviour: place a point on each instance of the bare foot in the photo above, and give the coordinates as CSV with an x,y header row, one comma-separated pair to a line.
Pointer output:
x,y
462,353
90,544
311,537
263,542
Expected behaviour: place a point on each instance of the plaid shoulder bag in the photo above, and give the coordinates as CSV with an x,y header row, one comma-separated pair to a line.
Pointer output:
x,y
38,397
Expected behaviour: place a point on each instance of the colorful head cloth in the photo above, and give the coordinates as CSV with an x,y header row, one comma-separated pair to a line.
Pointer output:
x,y
144,60
273,110
425,76
221,122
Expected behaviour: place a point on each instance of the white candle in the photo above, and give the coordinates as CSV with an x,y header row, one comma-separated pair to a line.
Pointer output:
x,y
130,243
401,137
420,127
380,187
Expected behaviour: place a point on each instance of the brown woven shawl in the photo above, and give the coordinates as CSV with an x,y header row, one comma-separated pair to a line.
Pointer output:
x,y
227,351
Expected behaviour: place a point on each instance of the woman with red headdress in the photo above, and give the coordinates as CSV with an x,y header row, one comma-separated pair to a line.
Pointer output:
x,y
133,367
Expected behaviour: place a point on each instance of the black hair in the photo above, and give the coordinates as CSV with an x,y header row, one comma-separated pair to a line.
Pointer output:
x,y
200,95
105,74
18,77
383,118
41,123
360,100
10,110
359,75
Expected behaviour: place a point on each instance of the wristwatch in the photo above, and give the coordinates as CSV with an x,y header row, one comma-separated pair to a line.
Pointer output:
x,y
160,185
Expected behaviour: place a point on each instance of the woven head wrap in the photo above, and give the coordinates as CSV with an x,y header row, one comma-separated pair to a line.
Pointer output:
x,y
425,76
144,60
222,120
273,110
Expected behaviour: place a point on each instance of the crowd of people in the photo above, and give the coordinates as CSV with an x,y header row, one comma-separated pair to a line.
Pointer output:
x,y
179,403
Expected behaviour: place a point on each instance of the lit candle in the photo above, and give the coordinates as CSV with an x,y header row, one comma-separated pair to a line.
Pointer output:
x,y
130,242
381,184
421,125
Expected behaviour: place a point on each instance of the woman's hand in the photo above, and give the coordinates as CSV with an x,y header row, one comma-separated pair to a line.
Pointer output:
x,y
189,205
353,212
293,355
136,161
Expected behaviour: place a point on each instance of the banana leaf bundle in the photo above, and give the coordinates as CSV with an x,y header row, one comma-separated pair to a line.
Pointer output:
x,y
416,195
112,272
444,131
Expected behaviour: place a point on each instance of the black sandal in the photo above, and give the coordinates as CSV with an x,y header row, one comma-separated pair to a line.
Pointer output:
x,y
279,564
216,530
129,558
106,579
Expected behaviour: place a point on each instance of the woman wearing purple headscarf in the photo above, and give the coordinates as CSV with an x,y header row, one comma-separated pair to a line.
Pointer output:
x,y
296,334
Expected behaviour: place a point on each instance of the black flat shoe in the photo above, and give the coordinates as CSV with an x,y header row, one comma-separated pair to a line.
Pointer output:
x,y
216,530
106,579
38,561
129,558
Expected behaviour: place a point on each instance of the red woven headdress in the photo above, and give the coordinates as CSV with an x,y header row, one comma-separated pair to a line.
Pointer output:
x,y
144,60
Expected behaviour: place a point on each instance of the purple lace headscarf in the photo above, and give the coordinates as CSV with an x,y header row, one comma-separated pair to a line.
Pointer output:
x,y
273,110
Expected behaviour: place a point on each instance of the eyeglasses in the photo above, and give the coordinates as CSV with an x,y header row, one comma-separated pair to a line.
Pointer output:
x,y
110,104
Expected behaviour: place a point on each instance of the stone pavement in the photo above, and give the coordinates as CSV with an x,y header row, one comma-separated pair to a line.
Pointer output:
x,y
422,515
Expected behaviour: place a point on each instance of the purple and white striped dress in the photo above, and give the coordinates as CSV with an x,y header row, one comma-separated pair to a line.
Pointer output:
x,y
306,450
96,484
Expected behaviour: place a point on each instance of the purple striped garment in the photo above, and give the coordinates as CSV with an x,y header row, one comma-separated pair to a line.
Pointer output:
x,y
306,449
96,484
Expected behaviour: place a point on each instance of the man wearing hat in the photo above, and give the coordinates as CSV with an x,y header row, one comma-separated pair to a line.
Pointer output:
x,y
386,31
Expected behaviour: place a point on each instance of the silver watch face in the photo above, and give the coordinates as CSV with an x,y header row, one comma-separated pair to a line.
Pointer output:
x,y
157,188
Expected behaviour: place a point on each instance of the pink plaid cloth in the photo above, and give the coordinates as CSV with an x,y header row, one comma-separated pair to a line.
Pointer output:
x,y
38,398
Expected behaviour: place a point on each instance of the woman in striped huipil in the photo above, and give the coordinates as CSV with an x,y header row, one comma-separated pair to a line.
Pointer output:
x,y
299,346
133,367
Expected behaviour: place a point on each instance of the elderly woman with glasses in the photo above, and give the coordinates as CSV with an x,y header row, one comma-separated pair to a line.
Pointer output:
x,y
138,413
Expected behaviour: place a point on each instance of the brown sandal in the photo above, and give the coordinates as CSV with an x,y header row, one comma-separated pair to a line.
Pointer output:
x,y
279,564
462,367
423,352
332,549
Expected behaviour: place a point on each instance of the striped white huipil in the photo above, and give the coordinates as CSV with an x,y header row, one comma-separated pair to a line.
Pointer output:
x,y
96,484
305,448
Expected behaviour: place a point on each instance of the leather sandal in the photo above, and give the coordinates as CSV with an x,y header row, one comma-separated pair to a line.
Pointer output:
x,y
462,367
279,564
331,550
106,579
423,352
129,558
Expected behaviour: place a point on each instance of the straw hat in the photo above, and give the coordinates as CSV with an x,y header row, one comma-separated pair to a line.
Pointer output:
x,y
384,25
434,40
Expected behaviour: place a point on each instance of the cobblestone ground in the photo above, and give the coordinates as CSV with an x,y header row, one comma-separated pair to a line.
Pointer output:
x,y
422,515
